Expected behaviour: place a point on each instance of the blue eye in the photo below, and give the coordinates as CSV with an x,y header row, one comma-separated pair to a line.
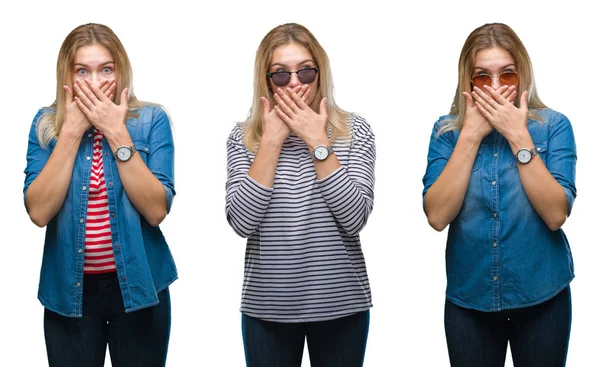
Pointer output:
x,y
107,70
81,71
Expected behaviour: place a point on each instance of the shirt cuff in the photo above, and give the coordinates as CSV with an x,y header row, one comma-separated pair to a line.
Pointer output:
x,y
169,197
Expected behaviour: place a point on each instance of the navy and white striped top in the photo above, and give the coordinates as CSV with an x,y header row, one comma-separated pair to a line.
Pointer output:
x,y
303,257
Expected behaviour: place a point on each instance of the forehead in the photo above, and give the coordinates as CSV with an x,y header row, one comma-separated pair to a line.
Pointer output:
x,y
290,54
494,57
92,54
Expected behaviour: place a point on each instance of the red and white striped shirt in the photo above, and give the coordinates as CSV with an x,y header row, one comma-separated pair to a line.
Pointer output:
x,y
99,257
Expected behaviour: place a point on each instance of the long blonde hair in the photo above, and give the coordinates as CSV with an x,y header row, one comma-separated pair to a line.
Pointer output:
x,y
489,36
51,122
279,36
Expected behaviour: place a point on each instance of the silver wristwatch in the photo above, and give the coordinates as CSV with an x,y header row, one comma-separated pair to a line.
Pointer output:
x,y
321,152
525,155
124,153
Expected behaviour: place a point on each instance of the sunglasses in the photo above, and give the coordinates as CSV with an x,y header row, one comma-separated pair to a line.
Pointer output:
x,y
506,78
305,76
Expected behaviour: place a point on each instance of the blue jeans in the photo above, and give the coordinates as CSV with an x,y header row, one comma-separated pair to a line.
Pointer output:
x,y
334,343
538,335
139,338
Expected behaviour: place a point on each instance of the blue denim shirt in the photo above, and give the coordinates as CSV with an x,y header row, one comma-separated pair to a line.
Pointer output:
x,y
143,259
500,254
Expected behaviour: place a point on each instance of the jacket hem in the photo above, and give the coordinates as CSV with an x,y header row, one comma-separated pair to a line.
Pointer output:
x,y
459,303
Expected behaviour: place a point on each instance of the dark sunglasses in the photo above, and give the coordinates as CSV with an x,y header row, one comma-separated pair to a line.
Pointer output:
x,y
506,78
305,76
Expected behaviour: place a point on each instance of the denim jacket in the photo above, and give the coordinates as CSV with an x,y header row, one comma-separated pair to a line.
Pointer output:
x,y
143,259
500,254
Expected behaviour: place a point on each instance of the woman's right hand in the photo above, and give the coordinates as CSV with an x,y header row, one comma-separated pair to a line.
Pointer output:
x,y
475,124
75,121
273,128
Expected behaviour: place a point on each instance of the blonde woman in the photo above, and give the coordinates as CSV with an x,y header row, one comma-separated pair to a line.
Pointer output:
x,y
501,173
300,177
99,176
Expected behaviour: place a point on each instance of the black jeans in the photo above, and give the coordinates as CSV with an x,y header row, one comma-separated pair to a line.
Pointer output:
x,y
138,338
335,343
538,335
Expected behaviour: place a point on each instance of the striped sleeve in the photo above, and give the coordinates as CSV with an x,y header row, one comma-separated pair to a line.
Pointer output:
x,y
246,200
349,190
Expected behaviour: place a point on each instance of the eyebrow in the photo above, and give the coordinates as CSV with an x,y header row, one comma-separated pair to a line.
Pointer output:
x,y
101,65
300,63
503,67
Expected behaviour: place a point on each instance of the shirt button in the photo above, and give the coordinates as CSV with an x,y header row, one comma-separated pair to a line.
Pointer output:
x,y
123,279
88,158
117,245
106,154
538,149
84,188
495,278
113,215
495,155
79,251
89,135
495,214
495,244
493,183
78,284
80,220
110,183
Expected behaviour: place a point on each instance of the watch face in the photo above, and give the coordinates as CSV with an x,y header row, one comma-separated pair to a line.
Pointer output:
x,y
123,153
523,155
321,152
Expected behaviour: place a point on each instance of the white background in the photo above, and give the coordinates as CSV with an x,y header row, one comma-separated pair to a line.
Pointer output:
x,y
395,66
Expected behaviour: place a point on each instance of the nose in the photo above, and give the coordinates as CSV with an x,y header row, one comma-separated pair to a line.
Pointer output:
x,y
294,81
496,83
96,78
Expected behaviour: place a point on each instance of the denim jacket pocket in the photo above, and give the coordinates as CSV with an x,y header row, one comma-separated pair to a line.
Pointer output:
x,y
541,149
142,148
477,162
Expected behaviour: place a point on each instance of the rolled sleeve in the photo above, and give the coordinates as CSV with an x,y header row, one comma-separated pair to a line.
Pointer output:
x,y
36,155
161,158
562,156
441,147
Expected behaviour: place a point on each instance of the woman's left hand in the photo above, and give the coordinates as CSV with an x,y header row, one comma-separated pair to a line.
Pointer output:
x,y
100,110
502,114
301,119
